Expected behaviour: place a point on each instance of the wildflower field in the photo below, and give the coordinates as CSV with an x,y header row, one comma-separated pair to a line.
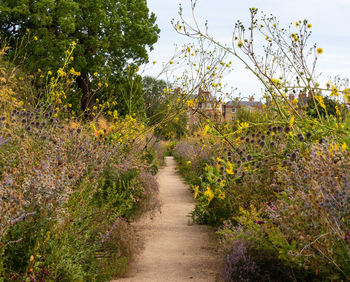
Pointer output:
x,y
83,133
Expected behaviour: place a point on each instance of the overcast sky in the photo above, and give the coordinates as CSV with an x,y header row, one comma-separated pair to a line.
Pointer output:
x,y
329,19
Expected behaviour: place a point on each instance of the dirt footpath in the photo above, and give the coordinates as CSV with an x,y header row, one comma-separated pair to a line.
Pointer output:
x,y
175,249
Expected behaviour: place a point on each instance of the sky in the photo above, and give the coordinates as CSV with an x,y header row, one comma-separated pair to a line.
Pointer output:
x,y
330,27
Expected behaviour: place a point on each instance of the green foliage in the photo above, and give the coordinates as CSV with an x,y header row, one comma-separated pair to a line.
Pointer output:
x,y
153,94
109,35
247,115
329,110
130,99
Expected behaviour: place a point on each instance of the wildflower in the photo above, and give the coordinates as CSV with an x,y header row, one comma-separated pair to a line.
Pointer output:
x,y
275,81
95,73
319,98
31,258
291,122
259,222
319,50
171,62
209,194
300,137
206,128
221,195
287,129
35,38
296,24
240,44
229,170
74,43
309,26
196,190
343,147
60,72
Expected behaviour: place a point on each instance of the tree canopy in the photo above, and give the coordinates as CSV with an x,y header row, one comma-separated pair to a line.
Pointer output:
x,y
109,35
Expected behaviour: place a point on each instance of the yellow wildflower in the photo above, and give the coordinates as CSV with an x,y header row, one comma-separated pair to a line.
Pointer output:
x,y
343,147
221,195
275,81
229,170
196,190
35,38
240,44
206,128
61,72
291,121
319,50
209,194
319,98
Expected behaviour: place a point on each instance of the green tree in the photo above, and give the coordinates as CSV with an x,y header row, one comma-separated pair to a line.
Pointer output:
x,y
153,94
129,96
109,35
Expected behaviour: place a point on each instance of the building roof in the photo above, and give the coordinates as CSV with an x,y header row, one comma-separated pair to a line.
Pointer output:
x,y
244,103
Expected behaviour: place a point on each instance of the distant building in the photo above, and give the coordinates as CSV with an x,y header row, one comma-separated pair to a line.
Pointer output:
x,y
206,104
230,109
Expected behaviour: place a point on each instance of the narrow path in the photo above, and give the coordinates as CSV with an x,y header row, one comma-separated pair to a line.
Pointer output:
x,y
175,249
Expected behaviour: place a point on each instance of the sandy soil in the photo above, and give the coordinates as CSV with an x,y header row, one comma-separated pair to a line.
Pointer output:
x,y
175,249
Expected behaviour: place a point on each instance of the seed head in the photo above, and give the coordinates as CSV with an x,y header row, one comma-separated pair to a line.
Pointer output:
x,y
287,129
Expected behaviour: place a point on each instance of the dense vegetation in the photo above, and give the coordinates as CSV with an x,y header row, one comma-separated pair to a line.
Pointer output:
x,y
77,156
276,180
